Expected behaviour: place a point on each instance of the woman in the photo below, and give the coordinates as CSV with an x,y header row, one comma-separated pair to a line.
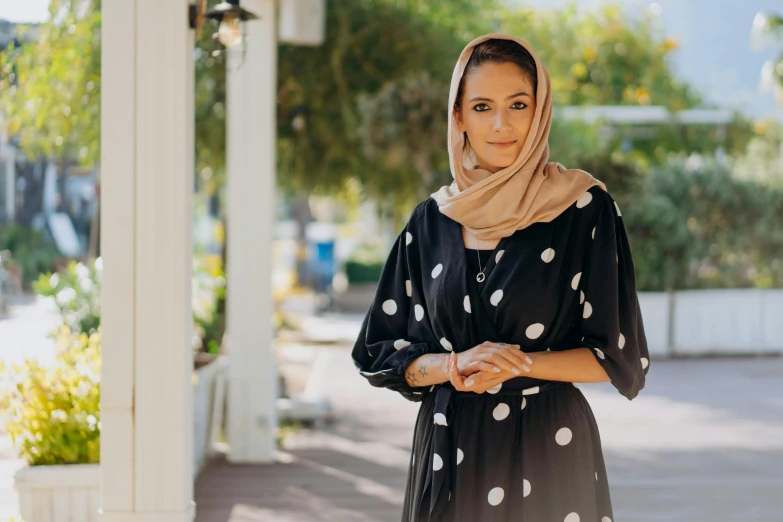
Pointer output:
x,y
504,288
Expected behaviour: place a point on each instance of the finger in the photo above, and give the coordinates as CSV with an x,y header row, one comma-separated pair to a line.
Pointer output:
x,y
478,365
481,379
513,350
488,383
456,380
519,358
505,359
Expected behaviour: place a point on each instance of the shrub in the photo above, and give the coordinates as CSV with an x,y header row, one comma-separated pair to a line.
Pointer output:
x,y
33,250
77,293
53,413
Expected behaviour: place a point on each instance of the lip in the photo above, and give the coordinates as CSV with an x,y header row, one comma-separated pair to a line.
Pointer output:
x,y
502,144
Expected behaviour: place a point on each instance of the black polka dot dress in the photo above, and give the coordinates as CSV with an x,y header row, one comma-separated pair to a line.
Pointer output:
x,y
527,450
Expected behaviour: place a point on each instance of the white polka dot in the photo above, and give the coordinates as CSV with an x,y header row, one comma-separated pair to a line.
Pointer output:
x,y
621,341
588,311
525,487
445,343
531,391
495,389
599,353
575,280
437,270
440,419
524,403
645,363
408,288
584,200
390,307
419,311
606,519
581,297
501,411
549,349
497,295
460,456
548,255
534,331
571,517
413,462
401,343
495,496
618,209
596,475
437,462
466,304
563,436
499,255
408,238
593,234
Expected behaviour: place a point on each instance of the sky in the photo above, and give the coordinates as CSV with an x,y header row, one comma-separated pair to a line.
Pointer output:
x,y
714,54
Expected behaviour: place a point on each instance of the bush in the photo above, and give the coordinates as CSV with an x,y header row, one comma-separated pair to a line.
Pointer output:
x,y
77,293
365,265
32,250
53,413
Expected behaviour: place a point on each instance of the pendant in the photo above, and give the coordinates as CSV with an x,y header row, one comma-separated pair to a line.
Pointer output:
x,y
480,277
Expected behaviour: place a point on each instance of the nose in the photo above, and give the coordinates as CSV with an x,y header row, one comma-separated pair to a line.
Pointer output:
x,y
501,121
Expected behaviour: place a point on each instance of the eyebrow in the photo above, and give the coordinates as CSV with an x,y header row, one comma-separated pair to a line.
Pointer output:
x,y
478,98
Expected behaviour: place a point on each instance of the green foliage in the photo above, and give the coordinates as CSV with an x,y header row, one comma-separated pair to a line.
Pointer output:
x,y
209,297
53,413
365,264
31,249
693,225
50,86
77,294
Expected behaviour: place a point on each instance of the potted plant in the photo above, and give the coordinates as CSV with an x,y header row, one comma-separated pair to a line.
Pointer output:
x,y
53,418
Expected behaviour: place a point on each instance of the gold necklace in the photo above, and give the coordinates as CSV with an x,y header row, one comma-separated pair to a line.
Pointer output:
x,y
480,277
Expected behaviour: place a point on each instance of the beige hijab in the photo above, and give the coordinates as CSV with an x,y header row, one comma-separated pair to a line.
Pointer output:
x,y
531,189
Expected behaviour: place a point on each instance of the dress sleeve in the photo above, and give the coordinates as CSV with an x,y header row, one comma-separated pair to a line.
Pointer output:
x,y
611,318
385,346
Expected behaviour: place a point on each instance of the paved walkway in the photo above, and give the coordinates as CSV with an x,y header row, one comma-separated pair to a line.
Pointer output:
x,y
702,443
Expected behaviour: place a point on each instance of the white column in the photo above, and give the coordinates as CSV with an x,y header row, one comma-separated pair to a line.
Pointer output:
x,y
250,163
146,188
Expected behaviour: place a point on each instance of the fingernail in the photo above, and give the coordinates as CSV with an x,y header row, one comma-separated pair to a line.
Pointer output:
x,y
515,371
529,360
496,369
526,367
469,382
502,344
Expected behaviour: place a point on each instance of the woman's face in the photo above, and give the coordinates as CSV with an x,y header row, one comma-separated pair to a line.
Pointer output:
x,y
497,108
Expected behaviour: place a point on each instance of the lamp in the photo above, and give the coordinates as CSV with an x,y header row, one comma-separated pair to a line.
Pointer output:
x,y
228,13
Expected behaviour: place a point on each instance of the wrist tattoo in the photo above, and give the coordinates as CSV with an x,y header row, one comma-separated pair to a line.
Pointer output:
x,y
411,378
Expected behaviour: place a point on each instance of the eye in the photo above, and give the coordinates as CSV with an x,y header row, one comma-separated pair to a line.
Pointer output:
x,y
481,107
519,105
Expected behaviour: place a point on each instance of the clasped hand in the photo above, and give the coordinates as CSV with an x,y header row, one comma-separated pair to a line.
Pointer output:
x,y
487,365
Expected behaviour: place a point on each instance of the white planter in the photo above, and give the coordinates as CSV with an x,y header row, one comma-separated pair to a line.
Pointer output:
x,y
66,493
207,402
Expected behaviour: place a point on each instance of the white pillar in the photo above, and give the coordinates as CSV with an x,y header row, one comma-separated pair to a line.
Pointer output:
x,y
147,189
250,163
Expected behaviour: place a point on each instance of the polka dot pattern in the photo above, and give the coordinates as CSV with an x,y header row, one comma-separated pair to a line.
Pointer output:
x,y
495,496
390,307
581,297
497,295
401,343
418,310
563,436
575,281
621,342
466,304
408,238
445,343
525,487
588,311
437,462
599,353
495,389
593,233
534,331
531,391
437,270
606,519
584,200
524,403
440,419
501,411
645,363
499,255
571,517
408,288
460,456
617,208
548,255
